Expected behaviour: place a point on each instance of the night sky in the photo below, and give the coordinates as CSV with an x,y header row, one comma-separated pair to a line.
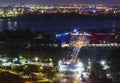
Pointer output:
x,y
62,1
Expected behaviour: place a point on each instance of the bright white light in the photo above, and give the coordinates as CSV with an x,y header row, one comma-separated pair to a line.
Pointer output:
x,y
71,66
94,11
82,69
36,58
80,64
103,62
75,30
106,67
6,64
62,69
67,62
59,62
3,60
109,75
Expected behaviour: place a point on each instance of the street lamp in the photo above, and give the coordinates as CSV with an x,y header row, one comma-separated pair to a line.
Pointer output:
x,y
36,59
103,62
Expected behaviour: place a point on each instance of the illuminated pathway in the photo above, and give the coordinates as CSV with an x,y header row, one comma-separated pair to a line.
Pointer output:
x,y
75,52
81,41
73,64
73,68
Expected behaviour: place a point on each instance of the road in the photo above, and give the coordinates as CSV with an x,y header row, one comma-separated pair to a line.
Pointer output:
x,y
69,78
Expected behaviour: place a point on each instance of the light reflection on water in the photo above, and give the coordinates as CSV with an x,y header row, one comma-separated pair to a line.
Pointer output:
x,y
8,24
59,25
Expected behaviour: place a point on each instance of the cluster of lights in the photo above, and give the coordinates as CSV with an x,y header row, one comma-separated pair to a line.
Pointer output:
x,y
76,67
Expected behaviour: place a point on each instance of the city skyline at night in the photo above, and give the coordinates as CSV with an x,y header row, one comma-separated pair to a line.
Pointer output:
x,y
47,2
59,41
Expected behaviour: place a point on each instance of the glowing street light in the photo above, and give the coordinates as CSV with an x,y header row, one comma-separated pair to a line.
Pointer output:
x,y
103,62
75,30
36,59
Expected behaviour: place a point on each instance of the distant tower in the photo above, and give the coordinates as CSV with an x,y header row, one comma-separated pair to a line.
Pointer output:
x,y
113,26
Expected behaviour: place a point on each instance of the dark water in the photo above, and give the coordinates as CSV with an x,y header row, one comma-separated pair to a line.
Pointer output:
x,y
49,25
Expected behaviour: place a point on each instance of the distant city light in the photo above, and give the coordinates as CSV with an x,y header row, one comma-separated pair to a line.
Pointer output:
x,y
75,30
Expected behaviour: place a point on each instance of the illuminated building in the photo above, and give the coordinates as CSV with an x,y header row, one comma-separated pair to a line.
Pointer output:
x,y
103,38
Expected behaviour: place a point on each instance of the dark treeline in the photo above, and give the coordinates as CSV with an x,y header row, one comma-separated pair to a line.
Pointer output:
x,y
63,16
29,44
66,16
